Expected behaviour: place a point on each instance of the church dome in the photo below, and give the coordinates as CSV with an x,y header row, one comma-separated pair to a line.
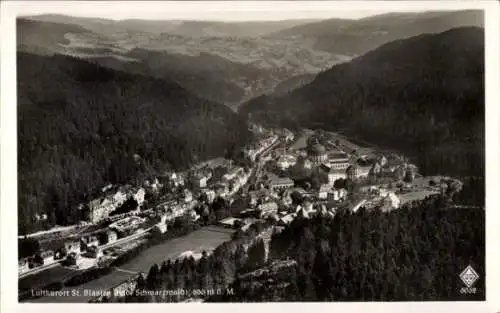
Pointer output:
x,y
317,149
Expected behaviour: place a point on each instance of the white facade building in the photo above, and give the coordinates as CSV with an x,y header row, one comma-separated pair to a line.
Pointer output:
x,y
390,201
286,161
139,196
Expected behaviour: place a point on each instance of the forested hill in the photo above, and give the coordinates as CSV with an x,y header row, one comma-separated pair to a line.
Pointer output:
x,y
423,95
208,76
41,37
82,125
356,37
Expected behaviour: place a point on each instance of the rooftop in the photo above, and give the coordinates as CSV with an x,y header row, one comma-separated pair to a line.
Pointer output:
x,y
287,157
332,170
336,171
127,222
229,220
316,149
338,156
363,163
324,188
281,180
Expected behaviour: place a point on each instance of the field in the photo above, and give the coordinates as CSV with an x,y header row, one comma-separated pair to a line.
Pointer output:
x,y
415,195
51,275
420,188
207,238
203,239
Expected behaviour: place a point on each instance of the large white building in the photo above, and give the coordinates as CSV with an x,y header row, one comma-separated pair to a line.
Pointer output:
x,y
126,224
199,181
187,196
268,208
323,191
139,195
338,161
232,173
286,161
100,209
337,195
176,179
357,171
280,183
209,194
317,153
161,227
332,174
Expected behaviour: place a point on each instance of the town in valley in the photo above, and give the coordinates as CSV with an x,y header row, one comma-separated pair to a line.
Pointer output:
x,y
279,177
339,158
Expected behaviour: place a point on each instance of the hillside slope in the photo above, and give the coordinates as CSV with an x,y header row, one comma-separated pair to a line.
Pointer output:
x,y
206,75
293,83
81,125
423,95
44,37
356,37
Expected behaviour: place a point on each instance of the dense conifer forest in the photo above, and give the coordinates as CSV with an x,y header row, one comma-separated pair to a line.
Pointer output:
x,y
81,126
411,254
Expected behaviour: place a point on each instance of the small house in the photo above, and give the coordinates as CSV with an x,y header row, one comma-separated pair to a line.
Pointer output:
x,y
47,256
112,236
72,246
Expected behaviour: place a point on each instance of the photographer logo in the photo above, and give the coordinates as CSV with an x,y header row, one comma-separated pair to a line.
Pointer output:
x,y
469,277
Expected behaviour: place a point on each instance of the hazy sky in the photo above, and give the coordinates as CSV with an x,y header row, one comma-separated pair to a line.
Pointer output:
x,y
230,10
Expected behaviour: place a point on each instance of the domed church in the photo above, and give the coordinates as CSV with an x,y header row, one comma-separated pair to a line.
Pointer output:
x,y
317,153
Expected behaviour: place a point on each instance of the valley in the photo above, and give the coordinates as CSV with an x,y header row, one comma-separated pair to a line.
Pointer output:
x,y
260,56
339,159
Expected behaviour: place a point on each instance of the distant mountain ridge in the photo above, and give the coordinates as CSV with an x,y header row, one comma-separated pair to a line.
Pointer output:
x,y
423,95
356,37
260,56
208,75
186,28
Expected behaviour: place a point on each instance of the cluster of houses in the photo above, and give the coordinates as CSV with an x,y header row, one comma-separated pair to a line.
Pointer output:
x,y
68,251
254,150
275,201
173,209
100,208
335,165
380,197
231,182
286,161
127,226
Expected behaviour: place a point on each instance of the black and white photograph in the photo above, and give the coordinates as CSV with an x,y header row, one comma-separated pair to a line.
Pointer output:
x,y
239,155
